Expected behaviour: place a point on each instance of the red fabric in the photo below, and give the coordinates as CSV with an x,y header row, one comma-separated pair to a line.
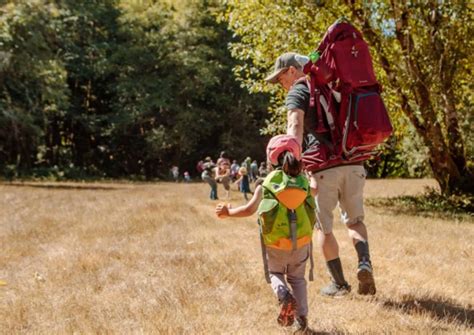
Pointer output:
x,y
361,121
369,123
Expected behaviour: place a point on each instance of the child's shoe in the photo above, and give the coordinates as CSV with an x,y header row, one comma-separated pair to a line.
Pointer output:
x,y
287,312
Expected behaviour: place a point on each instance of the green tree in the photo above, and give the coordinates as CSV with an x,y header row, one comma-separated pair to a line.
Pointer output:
x,y
177,100
33,83
119,88
216,113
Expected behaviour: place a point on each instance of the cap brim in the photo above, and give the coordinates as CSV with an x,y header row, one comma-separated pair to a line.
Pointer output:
x,y
273,78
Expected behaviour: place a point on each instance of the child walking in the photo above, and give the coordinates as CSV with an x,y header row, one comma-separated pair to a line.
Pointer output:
x,y
286,210
243,182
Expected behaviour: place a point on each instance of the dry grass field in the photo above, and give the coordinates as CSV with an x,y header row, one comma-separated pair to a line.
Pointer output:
x,y
152,258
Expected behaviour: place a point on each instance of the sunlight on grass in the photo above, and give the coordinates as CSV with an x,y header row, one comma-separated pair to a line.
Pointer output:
x,y
152,258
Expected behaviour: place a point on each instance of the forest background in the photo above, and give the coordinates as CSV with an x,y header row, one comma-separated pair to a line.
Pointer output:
x,y
126,89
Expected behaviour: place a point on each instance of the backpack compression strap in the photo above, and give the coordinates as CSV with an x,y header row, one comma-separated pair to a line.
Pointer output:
x,y
293,235
264,254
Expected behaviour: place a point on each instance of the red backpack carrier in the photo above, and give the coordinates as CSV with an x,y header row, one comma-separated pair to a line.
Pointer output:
x,y
361,121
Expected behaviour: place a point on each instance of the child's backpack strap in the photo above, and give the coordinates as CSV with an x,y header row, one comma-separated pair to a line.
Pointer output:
x,y
311,262
293,221
264,254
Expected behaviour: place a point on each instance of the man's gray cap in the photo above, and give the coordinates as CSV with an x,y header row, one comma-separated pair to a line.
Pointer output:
x,y
283,62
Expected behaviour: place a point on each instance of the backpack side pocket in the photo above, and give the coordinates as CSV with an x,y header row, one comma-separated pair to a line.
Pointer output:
x,y
310,208
268,211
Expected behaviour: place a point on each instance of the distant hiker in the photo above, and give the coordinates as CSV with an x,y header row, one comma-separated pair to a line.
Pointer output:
x,y
340,180
208,176
285,206
246,163
222,172
254,170
244,182
262,170
187,177
175,173
234,170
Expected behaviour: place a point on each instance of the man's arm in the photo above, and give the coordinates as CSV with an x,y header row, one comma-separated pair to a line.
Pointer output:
x,y
295,124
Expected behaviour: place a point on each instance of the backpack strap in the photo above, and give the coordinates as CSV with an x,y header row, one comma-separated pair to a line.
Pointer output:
x,y
311,260
293,234
264,254
314,100
325,100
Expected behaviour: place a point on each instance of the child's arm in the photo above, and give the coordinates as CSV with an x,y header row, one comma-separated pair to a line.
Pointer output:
x,y
223,210
238,180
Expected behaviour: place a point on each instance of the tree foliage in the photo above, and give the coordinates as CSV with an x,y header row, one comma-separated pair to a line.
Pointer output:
x,y
422,54
119,88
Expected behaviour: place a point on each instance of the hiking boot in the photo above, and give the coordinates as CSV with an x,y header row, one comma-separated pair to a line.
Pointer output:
x,y
287,311
366,279
335,290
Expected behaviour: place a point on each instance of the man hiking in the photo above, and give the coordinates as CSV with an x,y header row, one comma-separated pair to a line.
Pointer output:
x,y
340,185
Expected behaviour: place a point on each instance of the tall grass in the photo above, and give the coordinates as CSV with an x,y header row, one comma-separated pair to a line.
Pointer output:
x,y
153,258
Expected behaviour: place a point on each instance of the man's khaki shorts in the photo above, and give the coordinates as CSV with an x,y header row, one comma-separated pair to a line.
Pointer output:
x,y
343,185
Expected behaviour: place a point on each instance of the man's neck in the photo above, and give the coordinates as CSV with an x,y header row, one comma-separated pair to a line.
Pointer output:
x,y
299,79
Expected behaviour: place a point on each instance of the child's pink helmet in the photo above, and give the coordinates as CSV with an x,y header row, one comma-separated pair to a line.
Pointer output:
x,y
282,143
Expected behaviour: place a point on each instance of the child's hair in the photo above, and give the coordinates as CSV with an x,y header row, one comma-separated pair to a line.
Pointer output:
x,y
289,164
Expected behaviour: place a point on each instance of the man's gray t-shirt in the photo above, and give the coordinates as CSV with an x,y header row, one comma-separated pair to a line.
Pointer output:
x,y
298,98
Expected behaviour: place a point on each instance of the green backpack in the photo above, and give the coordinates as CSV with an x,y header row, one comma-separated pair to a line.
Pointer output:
x,y
286,213
286,200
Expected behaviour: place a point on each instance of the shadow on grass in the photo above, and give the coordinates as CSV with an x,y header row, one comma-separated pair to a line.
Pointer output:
x,y
437,307
63,186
